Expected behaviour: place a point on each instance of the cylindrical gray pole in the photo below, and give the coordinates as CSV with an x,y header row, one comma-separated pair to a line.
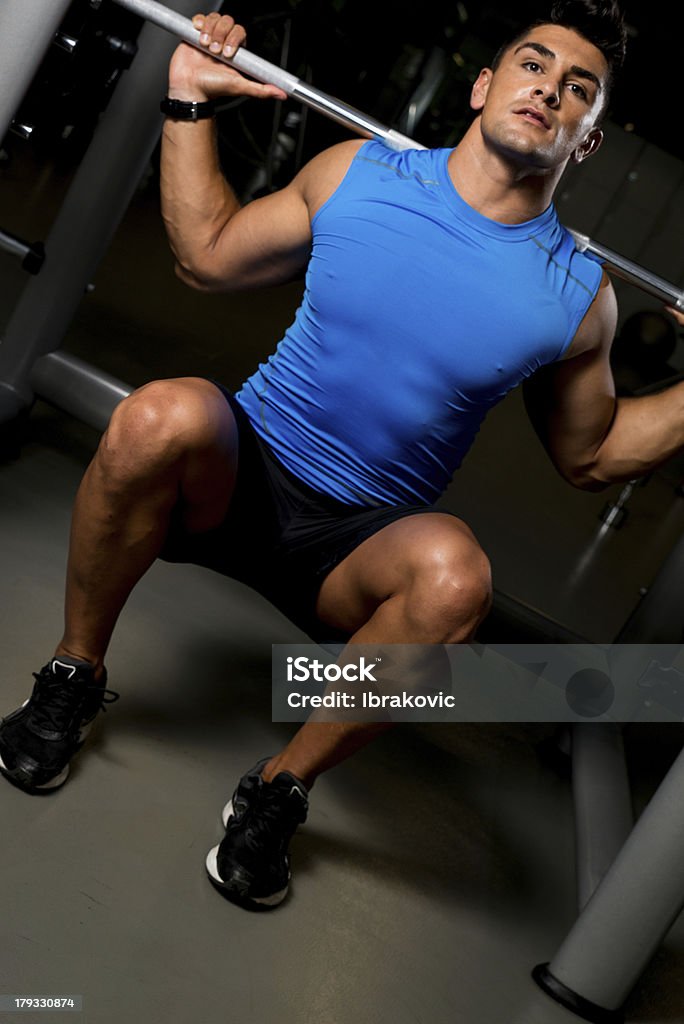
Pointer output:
x,y
630,913
90,394
603,802
95,203
264,71
26,31
632,272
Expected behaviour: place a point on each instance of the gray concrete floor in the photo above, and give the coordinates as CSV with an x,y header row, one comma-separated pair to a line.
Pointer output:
x,y
436,868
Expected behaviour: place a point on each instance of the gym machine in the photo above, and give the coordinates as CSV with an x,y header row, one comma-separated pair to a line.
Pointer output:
x,y
30,361
632,889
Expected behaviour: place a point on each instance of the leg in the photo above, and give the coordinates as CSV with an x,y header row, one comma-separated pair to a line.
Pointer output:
x,y
170,446
170,442
423,579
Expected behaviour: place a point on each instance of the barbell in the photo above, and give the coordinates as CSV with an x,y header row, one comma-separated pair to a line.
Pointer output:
x,y
264,71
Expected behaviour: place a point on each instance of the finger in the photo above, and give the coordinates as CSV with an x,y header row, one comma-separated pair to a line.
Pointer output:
x,y
208,24
235,38
222,36
219,33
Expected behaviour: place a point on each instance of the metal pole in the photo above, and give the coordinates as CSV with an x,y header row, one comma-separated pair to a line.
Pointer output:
x,y
628,916
98,197
89,394
631,272
603,802
265,71
359,122
31,254
26,31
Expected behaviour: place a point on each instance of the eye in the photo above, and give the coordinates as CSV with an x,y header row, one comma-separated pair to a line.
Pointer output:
x,y
578,90
532,65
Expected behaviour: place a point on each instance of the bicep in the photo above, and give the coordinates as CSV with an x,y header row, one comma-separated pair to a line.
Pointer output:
x,y
268,241
571,403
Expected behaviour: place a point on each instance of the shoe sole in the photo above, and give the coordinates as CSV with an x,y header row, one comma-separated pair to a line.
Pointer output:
x,y
255,902
57,780
46,787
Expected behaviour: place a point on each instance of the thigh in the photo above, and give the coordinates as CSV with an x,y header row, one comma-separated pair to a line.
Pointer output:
x,y
211,460
223,500
389,560
176,435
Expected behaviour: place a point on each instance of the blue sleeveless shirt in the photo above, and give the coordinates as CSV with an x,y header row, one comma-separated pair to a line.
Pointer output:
x,y
419,315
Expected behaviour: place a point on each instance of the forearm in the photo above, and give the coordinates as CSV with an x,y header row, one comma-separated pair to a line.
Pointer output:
x,y
644,433
196,200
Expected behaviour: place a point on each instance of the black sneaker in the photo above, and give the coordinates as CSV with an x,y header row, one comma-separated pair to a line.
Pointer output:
x,y
247,786
38,740
251,866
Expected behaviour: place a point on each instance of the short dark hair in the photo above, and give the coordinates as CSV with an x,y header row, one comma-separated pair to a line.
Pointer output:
x,y
602,23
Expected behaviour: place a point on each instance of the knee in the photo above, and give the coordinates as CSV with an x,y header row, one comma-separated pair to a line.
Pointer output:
x,y
453,589
154,428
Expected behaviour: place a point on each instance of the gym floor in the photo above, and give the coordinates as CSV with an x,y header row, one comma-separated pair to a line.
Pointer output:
x,y
436,867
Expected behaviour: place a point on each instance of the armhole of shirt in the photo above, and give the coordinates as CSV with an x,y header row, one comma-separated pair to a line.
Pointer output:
x,y
347,174
582,309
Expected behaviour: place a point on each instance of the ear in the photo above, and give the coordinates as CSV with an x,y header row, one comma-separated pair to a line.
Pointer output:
x,y
588,147
479,91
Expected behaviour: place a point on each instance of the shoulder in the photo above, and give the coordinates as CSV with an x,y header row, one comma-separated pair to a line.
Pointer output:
x,y
322,175
597,329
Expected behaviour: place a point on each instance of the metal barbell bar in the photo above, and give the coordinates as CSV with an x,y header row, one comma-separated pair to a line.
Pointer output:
x,y
363,124
264,71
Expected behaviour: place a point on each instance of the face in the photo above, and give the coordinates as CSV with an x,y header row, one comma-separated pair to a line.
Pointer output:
x,y
540,107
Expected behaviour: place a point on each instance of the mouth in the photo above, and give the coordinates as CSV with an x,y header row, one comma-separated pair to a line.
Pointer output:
x,y
535,116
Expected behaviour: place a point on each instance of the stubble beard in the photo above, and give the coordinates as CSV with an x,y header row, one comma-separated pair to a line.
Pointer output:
x,y
518,148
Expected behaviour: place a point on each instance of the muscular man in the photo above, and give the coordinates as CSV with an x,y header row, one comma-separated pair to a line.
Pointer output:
x,y
436,282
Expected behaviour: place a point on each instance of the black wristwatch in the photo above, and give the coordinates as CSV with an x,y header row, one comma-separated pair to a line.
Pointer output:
x,y
186,110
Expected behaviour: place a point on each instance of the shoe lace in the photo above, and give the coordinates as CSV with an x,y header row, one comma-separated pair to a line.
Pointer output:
x,y
57,702
272,818
108,697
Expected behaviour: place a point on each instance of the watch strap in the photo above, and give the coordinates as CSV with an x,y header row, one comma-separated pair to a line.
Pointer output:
x,y
187,110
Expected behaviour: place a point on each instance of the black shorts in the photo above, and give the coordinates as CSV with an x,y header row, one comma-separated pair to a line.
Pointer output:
x,y
280,536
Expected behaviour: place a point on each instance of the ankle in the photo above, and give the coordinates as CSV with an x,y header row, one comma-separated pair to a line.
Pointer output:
x,y
281,763
71,652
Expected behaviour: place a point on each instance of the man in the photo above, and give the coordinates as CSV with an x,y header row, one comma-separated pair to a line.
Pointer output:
x,y
436,282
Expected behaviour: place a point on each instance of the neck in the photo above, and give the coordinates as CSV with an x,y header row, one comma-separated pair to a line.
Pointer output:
x,y
498,188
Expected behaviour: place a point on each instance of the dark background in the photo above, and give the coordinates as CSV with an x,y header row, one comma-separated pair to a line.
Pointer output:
x,y
370,54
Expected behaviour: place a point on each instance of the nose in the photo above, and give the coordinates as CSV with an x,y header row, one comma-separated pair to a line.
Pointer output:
x,y
549,93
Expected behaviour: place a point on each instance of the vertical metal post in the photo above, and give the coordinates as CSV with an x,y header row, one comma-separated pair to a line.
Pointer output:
x,y
92,209
603,802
